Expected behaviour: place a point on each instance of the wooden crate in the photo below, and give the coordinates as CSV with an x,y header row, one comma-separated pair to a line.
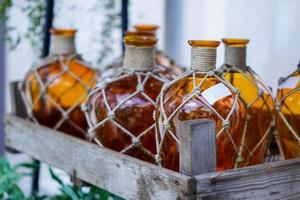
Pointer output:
x,y
131,178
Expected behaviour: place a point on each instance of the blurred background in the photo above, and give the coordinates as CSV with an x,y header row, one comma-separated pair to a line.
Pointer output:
x,y
271,25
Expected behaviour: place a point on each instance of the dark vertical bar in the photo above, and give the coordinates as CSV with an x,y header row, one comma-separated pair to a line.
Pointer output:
x,y
2,87
124,14
47,27
45,52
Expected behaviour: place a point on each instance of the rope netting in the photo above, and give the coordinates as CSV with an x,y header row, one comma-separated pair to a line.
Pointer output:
x,y
166,120
62,69
263,93
280,103
142,78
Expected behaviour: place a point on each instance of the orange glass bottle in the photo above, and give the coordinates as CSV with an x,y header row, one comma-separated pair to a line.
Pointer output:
x,y
165,64
54,90
120,110
257,98
288,115
201,94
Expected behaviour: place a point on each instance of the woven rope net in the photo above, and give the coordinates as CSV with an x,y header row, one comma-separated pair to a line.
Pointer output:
x,y
260,106
118,121
54,90
287,113
166,126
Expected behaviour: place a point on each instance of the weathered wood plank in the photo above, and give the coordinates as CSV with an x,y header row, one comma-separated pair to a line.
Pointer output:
x,y
17,103
197,147
122,175
272,181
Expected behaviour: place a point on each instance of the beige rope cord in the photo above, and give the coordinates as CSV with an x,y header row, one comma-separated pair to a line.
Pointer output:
x,y
165,127
279,104
256,83
94,124
64,63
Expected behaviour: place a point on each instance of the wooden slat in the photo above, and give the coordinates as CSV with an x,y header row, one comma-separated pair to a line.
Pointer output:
x,y
273,181
197,146
17,103
122,175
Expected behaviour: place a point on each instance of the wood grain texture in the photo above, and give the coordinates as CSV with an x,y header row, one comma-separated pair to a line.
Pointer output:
x,y
122,175
197,147
273,181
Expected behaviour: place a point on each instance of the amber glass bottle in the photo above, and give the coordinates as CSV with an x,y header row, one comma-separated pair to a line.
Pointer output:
x,y
256,96
201,94
54,90
288,114
120,111
165,64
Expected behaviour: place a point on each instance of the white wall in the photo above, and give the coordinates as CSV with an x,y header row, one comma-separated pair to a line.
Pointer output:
x,y
271,25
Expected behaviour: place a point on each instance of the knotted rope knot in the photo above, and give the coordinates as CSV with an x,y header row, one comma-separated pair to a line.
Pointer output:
x,y
84,108
236,91
239,159
248,117
251,155
226,123
90,133
211,73
135,141
65,115
87,88
166,125
140,87
196,91
111,115
157,158
277,106
165,86
260,92
273,124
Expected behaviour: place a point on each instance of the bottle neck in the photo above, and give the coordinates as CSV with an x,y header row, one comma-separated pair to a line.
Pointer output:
x,y
62,45
139,58
203,58
236,56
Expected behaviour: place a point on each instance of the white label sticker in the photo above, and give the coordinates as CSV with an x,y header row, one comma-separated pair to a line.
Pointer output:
x,y
289,83
216,93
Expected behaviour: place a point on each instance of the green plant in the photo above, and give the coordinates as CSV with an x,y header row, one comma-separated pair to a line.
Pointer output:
x,y
9,189
9,176
34,10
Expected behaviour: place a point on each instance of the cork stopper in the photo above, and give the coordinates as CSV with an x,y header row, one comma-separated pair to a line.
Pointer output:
x,y
139,52
235,52
62,41
203,54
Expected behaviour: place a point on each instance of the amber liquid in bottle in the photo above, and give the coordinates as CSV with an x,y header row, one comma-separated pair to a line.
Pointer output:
x,y
195,109
133,112
259,106
63,90
290,109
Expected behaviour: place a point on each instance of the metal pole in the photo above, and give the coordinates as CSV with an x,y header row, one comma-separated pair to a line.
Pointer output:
x,y
45,51
124,14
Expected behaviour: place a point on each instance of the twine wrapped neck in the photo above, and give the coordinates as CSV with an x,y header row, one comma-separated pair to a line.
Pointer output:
x,y
139,58
62,45
203,58
236,56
